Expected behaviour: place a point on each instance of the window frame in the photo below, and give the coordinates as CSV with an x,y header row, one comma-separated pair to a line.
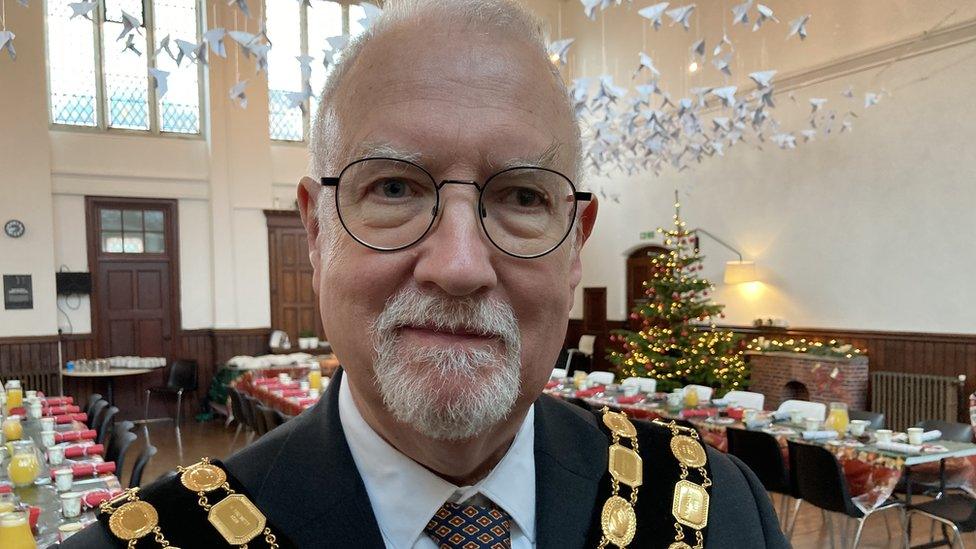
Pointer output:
x,y
101,109
307,114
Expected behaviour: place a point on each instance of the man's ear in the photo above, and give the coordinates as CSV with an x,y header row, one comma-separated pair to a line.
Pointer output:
x,y
309,192
588,219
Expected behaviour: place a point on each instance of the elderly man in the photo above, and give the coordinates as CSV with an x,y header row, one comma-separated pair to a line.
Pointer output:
x,y
445,229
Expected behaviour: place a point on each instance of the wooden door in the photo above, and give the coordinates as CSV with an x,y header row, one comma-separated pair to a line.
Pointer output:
x,y
639,271
134,260
294,306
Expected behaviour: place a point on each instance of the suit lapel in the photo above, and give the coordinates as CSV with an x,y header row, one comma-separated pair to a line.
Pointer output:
x,y
313,489
570,460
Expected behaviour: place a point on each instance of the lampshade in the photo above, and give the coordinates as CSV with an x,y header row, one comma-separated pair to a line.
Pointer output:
x,y
737,272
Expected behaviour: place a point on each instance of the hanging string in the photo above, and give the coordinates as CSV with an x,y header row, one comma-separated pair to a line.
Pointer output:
x,y
559,24
237,51
3,14
603,41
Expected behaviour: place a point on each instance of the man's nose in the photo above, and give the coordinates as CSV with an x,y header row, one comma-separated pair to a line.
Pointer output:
x,y
456,256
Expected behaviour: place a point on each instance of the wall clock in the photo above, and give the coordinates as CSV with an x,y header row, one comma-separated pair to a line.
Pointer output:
x,y
14,228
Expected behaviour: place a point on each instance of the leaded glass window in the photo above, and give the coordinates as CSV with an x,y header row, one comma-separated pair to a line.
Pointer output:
x,y
98,80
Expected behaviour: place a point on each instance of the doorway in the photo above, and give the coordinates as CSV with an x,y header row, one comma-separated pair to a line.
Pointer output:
x,y
294,307
134,257
638,271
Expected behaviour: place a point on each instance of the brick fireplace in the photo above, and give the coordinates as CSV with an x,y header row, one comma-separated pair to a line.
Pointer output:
x,y
784,376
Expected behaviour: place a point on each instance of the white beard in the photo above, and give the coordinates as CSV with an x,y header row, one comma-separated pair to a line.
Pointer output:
x,y
447,393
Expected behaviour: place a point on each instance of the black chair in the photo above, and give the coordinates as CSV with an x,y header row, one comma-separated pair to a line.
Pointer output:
x,y
272,418
958,432
119,445
95,413
260,425
144,458
240,413
182,379
876,419
819,480
762,453
105,424
95,397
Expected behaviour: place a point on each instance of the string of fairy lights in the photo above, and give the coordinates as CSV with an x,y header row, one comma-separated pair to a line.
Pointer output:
x,y
832,348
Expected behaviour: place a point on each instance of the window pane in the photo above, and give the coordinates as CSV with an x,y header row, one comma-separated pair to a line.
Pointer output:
x,y
132,243
154,220
111,220
179,109
132,220
71,63
112,242
126,73
324,21
154,243
284,74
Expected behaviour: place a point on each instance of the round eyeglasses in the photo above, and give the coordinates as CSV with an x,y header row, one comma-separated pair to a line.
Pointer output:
x,y
389,204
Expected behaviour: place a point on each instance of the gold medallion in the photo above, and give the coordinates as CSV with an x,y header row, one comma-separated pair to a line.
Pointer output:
x,y
690,505
618,423
626,466
688,451
237,519
133,520
679,545
203,477
618,520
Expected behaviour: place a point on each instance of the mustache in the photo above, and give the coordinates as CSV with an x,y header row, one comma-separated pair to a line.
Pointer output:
x,y
484,316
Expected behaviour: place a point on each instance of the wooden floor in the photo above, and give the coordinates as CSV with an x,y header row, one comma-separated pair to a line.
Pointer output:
x,y
212,439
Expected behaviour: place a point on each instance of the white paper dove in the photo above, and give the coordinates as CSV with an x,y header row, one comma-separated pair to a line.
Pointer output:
x,y
7,43
765,14
338,43
187,50
215,41
589,7
740,13
130,45
798,27
762,78
83,9
164,46
129,23
698,48
726,94
871,99
681,15
647,63
241,5
237,94
808,135
160,78
723,64
816,103
848,92
372,12
559,49
654,13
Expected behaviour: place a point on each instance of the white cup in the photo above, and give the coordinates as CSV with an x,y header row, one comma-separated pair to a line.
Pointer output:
x,y
674,400
30,395
284,378
64,479
883,435
796,417
47,438
313,393
749,415
47,423
631,390
55,455
857,426
811,424
915,435
70,504
303,385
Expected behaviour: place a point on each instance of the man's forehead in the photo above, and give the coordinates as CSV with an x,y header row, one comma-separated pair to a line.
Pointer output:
x,y
488,160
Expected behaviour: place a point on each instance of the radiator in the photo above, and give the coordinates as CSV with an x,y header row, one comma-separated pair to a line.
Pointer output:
x,y
906,399
46,382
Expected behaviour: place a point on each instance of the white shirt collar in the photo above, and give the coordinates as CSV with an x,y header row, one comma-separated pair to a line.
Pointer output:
x,y
405,495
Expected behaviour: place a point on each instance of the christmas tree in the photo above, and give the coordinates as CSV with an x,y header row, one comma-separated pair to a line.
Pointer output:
x,y
678,343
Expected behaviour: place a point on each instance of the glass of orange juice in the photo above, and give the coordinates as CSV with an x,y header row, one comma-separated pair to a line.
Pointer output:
x,y
12,429
838,418
691,397
15,531
15,394
315,378
24,465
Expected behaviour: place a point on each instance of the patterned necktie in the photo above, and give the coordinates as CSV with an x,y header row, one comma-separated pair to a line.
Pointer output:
x,y
456,526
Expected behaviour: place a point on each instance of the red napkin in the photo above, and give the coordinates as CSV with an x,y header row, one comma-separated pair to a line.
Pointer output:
x,y
735,413
701,412
60,410
293,392
58,401
307,401
96,497
33,514
68,418
18,411
630,399
6,488
552,384
90,469
586,393
71,436
80,450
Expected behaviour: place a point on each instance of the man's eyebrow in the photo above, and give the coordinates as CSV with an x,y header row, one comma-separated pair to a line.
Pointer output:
x,y
370,149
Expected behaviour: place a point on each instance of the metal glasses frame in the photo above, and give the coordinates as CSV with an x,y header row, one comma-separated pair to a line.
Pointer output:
x,y
577,197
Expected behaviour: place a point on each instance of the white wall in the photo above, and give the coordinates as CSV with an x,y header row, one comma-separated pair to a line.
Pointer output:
x,y
867,230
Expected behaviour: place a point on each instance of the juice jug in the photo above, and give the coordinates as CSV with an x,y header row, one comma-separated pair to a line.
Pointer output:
x,y
24,465
15,532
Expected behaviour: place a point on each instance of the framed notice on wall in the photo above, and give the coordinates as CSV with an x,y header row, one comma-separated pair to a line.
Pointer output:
x,y
18,292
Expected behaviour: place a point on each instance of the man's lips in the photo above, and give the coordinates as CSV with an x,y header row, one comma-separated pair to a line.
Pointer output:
x,y
443,336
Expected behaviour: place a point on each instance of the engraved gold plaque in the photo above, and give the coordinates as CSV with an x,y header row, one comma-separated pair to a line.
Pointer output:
x,y
618,423
237,519
679,545
626,466
688,451
690,505
203,477
618,520
133,520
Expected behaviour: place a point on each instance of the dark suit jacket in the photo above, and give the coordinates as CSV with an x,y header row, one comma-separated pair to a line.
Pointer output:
x,y
303,477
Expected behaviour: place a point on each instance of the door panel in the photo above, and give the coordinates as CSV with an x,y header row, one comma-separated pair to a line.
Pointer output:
x,y
294,306
137,309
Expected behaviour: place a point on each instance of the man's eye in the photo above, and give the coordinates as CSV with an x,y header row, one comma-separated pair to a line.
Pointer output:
x,y
392,188
527,198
